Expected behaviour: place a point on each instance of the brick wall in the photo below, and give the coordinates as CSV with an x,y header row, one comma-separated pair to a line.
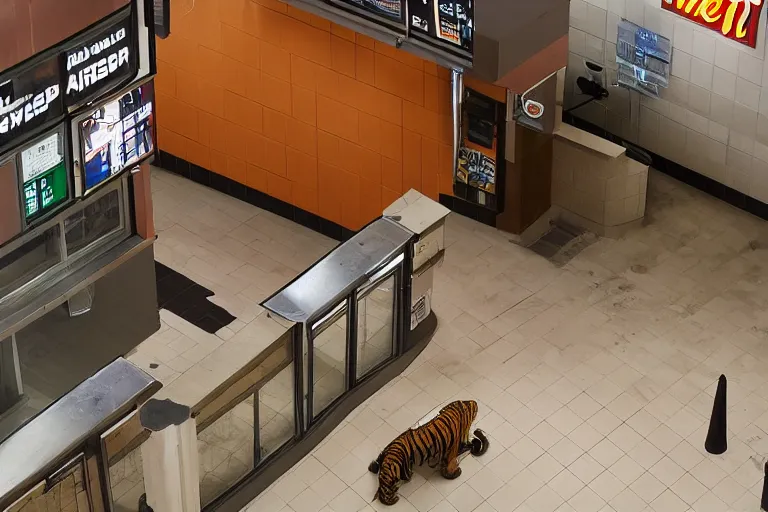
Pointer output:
x,y
302,109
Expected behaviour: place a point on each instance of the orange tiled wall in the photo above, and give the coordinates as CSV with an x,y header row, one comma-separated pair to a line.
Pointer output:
x,y
302,109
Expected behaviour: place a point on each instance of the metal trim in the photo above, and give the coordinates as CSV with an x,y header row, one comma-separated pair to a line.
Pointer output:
x,y
53,297
457,101
298,381
78,166
62,130
352,327
256,429
64,263
121,386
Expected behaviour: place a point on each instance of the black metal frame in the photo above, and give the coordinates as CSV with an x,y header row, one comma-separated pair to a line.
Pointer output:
x,y
397,319
116,17
351,380
66,145
469,193
77,122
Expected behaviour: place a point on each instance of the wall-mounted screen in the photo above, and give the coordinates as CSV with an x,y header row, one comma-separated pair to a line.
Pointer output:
x,y
117,135
445,22
45,182
643,59
103,59
392,12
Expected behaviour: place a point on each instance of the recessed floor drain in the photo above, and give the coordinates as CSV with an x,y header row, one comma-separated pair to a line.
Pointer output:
x,y
562,243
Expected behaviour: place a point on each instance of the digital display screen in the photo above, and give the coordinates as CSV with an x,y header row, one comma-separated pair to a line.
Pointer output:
x,y
449,21
643,59
391,9
117,135
44,174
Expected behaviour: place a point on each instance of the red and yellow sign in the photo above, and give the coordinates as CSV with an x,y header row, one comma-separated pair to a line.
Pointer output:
x,y
735,19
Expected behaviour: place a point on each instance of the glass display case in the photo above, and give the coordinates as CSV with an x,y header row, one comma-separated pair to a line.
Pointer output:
x,y
356,321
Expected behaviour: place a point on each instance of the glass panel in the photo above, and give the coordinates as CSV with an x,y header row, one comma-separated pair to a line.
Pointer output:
x,y
67,493
375,320
329,363
30,260
277,419
92,222
126,479
225,449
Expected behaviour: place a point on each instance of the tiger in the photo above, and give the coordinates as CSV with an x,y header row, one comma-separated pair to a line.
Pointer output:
x,y
440,441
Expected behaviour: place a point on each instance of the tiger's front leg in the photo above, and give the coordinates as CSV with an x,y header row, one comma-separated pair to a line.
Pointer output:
x,y
408,473
450,465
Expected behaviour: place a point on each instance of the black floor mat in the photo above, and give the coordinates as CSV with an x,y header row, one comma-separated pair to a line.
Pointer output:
x,y
185,298
562,243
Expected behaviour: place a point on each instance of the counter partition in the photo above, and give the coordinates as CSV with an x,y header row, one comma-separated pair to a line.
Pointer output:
x,y
262,400
60,457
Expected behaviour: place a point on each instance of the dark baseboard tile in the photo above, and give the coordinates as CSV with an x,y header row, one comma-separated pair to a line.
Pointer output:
x,y
688,176
468,209
225,185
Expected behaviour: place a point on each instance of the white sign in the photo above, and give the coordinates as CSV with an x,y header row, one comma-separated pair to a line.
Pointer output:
x,y
40,157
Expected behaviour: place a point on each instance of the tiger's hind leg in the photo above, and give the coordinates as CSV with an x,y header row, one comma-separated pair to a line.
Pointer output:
x,y
450,467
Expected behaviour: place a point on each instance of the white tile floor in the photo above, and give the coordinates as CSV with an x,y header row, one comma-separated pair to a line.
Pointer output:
x,y
595,380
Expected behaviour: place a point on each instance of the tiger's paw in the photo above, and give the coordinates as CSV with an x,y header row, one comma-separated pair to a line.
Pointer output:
x,y
450,476
479,443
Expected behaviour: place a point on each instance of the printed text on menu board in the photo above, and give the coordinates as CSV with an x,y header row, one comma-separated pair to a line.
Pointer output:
x,y
40,157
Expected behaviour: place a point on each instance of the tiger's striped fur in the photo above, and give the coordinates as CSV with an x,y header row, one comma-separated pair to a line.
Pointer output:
x,y
440,441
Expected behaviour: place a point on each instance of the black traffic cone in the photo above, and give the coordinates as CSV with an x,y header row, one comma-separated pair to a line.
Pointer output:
x,y
717,441
764,499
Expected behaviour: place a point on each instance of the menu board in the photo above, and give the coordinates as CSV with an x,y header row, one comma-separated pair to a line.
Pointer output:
x,y
44,175
477,169
643,59
389,10
29,99
117,135
103,60
444,22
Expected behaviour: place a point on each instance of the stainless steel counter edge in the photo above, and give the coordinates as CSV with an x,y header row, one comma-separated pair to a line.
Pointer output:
x,y
56,433
62,291
336,275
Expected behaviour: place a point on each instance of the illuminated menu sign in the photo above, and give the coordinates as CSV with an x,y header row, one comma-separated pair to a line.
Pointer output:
x,y
29,100
735,19
447,22
102,61
389,10
44,175
117,135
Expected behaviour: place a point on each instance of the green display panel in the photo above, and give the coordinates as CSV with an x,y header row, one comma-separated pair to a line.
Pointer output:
x,y
45,191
